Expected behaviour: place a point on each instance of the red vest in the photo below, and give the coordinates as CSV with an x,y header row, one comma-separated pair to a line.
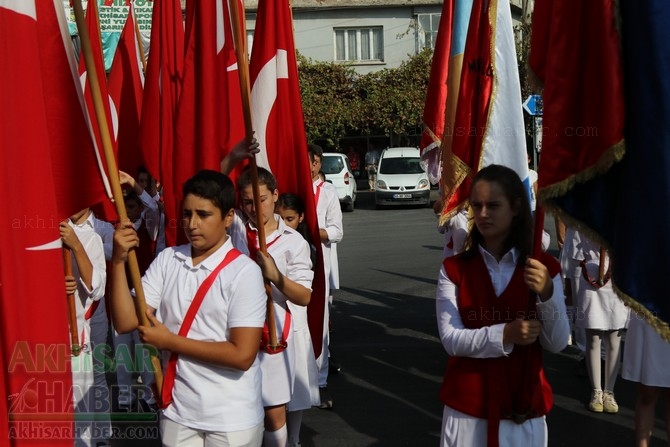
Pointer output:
x,y
512,387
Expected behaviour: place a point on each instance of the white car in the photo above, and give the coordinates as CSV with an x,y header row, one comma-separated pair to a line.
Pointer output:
x,y
401,178
338,172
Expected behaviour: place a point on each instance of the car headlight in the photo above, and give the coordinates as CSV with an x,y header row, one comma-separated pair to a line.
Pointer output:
x,y
423,183
381,184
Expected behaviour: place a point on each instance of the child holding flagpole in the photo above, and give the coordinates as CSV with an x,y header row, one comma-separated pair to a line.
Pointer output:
x,y
206,305
494,388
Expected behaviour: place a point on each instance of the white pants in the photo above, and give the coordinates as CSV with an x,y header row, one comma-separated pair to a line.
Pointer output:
x,y
460,429
177,435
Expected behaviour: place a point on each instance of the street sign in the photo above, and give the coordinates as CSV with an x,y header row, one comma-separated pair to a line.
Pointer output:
x,y
533,105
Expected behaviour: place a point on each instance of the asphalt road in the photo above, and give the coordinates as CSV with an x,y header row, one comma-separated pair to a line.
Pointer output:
x,y
384,335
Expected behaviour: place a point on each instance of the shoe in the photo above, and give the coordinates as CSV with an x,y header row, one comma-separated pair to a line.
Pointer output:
x,y
609,403
326,400
596,404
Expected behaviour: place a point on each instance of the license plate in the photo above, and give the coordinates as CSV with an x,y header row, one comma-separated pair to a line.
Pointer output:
x,y
402,196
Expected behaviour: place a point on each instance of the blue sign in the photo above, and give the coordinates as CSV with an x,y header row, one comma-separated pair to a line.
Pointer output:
x,y
533,105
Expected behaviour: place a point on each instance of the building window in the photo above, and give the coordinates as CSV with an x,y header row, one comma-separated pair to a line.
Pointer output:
x,y
359,44
426,30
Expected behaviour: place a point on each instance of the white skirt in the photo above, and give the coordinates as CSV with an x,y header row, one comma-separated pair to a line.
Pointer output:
x,y
646,356
278,370
306,384
599,308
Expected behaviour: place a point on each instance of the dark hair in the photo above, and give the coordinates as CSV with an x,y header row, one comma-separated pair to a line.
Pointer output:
x,y
265,177
214,186
314,150
520,235
143,170
293,202
129,194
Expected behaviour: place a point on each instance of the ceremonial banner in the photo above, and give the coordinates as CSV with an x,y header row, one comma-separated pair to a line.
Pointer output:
x,y
209,116
435,107
588,174
488,126
48,171
279,124
165,67
126,85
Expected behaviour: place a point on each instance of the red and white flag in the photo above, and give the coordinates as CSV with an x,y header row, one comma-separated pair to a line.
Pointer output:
x,y
107,211
126,86
165,67
209,116
280,129
48,171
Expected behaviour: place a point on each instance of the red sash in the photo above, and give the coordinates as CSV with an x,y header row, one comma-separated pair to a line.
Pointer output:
x,y
317,194
168,381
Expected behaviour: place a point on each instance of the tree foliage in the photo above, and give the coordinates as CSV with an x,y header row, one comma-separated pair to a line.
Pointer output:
x,y
338,102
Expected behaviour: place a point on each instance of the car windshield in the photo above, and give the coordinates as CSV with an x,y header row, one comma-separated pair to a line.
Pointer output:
x,y
405,165
332,165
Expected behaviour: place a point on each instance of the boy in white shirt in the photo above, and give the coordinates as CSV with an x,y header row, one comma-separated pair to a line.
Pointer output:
x,y
216,398
87,283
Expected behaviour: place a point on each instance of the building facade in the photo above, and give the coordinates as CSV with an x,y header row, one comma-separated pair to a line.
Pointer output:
x,y
367,34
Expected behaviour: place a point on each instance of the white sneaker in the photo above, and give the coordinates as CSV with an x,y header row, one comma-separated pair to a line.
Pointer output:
x,y
609,403
596,404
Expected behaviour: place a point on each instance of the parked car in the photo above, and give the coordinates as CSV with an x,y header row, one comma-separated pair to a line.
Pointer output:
x,y
401,179
338,172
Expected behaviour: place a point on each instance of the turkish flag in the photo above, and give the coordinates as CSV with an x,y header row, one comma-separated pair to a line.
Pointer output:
x,y
105,209
48,171
125,86
209,117
159,102
280,129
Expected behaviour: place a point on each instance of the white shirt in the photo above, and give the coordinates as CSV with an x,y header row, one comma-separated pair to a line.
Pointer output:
x,y
207,396
85,297
334,277
150,214
455,232
106,232
329,217
487,341
291,254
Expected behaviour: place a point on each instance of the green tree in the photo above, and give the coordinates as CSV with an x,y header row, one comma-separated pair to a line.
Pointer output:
x,y
338,102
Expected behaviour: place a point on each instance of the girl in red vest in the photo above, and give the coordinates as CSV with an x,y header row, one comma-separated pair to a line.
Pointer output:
x,y
497,309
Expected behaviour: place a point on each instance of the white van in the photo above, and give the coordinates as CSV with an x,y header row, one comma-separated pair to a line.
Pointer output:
x,y
401,179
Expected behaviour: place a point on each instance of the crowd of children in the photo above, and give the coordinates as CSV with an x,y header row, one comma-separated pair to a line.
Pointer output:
x,y
234,376
228,379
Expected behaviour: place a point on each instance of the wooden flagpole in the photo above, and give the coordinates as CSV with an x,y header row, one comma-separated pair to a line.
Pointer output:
x,y
239,37
138,37
113,174
71,306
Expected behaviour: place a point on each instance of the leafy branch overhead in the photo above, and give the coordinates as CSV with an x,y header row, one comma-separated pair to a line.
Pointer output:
x,y
337,101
